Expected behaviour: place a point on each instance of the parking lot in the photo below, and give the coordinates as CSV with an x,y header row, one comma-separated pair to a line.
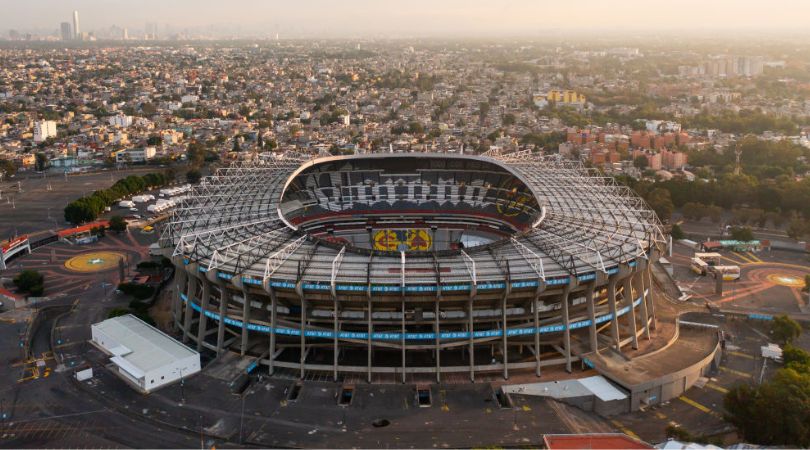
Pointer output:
x,y
40,205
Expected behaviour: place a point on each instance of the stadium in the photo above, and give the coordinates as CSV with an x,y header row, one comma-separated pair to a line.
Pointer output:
x,y
397,266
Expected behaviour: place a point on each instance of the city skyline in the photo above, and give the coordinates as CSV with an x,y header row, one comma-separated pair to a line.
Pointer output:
x,y
362,18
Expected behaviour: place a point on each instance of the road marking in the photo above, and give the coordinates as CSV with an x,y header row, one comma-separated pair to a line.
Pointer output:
x,y
527,408
743,293
733,260
744,258
735,372
624,429
742,355
696,405
754,257
660,415
717,388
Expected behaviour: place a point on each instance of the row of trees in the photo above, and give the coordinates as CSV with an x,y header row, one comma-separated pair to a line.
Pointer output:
x,y
88,208
779,201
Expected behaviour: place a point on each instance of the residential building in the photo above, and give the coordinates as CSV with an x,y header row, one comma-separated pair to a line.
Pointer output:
x,y
135,155
120,120
43,130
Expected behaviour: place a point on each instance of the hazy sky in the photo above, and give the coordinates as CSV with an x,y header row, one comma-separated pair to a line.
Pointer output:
x,y
412,17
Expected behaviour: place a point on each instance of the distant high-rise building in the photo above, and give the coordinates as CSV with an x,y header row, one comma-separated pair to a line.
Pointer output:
x,y
67,32
125,34
43,130
151,31
76,30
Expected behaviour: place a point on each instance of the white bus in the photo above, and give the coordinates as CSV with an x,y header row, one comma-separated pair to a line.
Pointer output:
x,y
699,266
729,273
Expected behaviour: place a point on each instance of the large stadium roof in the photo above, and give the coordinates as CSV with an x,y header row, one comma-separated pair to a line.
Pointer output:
x,y
583,223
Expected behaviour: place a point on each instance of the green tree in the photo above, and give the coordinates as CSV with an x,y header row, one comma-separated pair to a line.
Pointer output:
x,y
742,234
677,232
785,330
416,128
40,162
193,176
118,224
7,168
660,202
31,282
641,162
775,413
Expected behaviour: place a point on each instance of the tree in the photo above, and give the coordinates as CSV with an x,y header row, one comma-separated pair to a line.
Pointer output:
x,y
416,128
508,119
743,234
640,162
193,176
806,283
775,413
660,202
677,232
30,281
40,162
77,212
7,168
236,146
796,228
118,224
785,330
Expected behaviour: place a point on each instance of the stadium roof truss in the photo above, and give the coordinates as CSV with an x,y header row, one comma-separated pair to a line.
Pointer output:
x,y
232,223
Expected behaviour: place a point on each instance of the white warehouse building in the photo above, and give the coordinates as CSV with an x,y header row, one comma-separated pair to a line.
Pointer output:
x,y
144,356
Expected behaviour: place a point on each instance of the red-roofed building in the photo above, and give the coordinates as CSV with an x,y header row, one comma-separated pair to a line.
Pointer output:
x,y
605,441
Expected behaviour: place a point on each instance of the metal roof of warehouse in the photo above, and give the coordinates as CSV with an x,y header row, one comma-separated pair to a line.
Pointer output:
x,y
141,348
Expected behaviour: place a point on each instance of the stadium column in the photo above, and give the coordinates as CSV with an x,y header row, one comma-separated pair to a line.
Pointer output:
x,y
437,328
336,323
567,327
245,320
223,311
504,340
191,293
638,281
614,320
471,330
299,289
191,296
369,330
273,321
589,299
203,323
541,286
180,280
403,335
629,298
649,296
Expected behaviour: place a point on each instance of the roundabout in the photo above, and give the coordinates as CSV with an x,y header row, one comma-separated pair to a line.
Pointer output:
x,y
94,262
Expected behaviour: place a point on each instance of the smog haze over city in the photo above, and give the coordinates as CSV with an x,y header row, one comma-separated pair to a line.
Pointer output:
x,y
419,18
411,224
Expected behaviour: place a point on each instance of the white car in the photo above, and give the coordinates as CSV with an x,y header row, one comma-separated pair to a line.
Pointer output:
x,y
133,209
